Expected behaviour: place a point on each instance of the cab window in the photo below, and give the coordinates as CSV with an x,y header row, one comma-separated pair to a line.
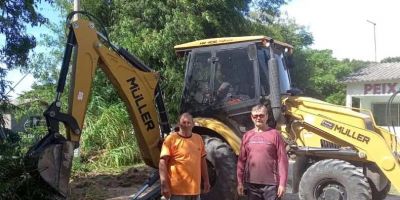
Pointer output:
x,y
234,76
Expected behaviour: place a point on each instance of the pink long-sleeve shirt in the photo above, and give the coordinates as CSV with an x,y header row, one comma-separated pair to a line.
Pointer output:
x,y
262,158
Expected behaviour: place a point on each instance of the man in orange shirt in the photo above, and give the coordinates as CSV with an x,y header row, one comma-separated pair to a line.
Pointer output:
x,y
183,163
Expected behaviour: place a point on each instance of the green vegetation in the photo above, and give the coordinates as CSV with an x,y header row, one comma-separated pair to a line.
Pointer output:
x,y
15,182
390,60
15,46
16,16
318,74
108,140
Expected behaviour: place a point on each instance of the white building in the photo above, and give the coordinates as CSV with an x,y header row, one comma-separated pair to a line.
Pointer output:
x,y
371,88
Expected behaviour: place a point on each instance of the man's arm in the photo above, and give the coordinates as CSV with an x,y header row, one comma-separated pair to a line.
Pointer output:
x,y
240,167
164,177
204,175
283,164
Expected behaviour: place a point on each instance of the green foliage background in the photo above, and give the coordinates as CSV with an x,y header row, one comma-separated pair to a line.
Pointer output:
x,y
150,30
15,181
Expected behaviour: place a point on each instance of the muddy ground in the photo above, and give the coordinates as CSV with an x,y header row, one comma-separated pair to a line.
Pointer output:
x,y
119,186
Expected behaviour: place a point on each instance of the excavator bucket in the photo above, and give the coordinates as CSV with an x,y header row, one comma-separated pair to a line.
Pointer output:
x,y
51,160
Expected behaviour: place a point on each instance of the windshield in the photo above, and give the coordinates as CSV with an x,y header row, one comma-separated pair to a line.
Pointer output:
x,y
234,75
219,77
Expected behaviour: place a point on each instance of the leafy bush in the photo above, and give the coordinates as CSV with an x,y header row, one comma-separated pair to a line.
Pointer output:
x,y
15,181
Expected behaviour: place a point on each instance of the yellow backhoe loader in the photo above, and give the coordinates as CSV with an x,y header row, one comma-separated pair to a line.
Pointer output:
x,y
336,153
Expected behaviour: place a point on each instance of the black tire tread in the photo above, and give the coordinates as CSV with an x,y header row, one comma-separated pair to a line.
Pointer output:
x,y
353,179
220,154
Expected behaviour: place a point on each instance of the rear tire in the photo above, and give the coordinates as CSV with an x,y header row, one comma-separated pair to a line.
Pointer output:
x,y
334,179
222,170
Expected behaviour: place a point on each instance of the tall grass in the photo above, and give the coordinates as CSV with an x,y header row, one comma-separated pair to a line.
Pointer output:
x,y
108,139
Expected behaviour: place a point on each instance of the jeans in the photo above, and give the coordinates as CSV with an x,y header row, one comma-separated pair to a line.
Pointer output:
x,y
262,192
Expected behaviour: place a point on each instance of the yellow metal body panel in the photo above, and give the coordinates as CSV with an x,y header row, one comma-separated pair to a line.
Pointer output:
x,y
226,40
135,87
390,138
83,70
224,131
320,120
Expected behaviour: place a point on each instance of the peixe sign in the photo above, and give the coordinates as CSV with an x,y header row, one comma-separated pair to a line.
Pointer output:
x,y
380,88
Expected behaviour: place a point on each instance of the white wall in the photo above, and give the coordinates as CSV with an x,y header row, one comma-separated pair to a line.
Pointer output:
x,y
373,92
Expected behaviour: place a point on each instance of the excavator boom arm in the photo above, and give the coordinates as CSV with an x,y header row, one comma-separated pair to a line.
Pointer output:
x,y
137,85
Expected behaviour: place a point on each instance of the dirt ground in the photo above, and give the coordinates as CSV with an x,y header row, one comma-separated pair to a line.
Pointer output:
x,y
119,186
96,186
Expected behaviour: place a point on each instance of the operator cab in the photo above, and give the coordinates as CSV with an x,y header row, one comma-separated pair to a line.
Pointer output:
x,y
227,76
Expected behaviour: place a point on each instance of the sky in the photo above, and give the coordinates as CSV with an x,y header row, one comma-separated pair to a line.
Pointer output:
x,y
339,25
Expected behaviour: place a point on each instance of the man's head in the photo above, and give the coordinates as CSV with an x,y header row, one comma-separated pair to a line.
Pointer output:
x,y
259,115
186,122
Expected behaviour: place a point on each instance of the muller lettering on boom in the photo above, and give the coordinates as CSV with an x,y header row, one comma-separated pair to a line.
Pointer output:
x,y
138,96
346,131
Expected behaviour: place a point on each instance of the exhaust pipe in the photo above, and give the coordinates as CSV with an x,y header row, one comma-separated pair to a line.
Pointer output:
x,y
274,87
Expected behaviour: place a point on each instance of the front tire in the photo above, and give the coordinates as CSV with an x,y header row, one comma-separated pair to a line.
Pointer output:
x,y
335,180
222,170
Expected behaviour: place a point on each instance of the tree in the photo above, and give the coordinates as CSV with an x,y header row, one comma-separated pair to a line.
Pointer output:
x,y
16,183
283,29
267,9
44,64
390,60
16,15
318,74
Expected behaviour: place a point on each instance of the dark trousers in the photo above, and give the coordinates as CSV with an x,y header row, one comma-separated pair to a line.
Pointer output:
x,y
185,197
262,192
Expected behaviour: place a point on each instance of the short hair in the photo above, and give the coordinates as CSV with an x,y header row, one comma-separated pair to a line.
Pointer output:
x,y
259,107
186,115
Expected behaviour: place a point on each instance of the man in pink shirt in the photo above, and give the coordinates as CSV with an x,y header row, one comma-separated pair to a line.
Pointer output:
x,y
263,163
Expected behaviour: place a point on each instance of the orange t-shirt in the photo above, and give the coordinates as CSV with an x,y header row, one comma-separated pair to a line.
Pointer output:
x,y
184,169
